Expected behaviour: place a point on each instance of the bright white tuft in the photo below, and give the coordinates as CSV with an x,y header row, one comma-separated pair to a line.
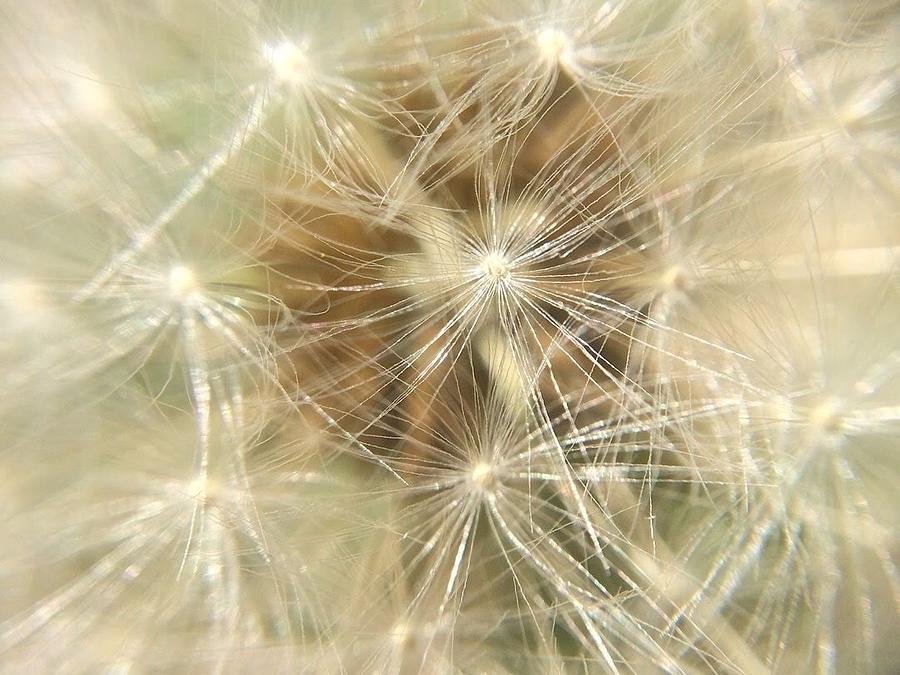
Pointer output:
x,y
182,283
554,46
288,62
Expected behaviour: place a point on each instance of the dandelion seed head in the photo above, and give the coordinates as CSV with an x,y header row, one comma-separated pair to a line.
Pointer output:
x,y
198,487
868,101
90,95
288,62
675,278
554,46
400,633
495,267
826,416
483,478
182,283
400,240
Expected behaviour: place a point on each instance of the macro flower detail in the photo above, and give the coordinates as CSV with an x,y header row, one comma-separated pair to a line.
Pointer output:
x,y
483,336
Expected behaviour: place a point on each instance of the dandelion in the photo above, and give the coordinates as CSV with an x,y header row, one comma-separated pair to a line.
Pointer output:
x,y
488,336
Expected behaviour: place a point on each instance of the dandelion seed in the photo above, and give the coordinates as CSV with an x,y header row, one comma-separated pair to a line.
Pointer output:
x,y
675,278
482,478
554,46
826,416
401,634
289,62
182,283
495,267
